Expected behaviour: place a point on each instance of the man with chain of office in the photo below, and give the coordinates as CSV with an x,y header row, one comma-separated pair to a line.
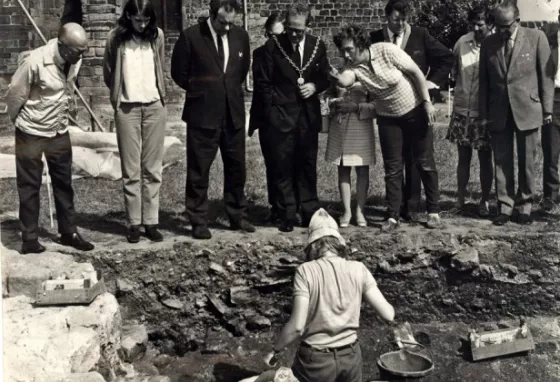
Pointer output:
x,y
294,72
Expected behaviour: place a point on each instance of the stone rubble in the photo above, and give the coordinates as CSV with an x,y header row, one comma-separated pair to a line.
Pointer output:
x,y
134,340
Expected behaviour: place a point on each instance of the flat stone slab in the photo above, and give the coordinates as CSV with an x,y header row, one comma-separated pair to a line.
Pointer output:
x,y
23,274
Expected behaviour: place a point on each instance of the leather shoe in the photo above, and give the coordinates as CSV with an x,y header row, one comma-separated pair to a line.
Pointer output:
x,y
32,246
547,204
242,225
501,219
75,240
524,219
201,232
390,225
286,226
152,233
133,234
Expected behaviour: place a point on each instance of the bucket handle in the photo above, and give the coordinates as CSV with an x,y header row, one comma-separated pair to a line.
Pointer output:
x,y
405,349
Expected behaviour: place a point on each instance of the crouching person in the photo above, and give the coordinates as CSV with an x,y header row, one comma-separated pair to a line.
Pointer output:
x,y
328,293
38,102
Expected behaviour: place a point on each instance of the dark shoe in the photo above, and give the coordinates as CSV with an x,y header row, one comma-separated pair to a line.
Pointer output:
x,y
524,219
31,246
273,217
286,226
390,225
152,233
75,240
411,217
133,234
501,219
242,225
547,205
201,232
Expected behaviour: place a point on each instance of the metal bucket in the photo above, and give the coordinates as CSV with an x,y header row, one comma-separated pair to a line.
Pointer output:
x,y
408,363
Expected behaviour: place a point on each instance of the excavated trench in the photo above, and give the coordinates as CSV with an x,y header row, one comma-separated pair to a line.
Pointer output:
x,y
188,293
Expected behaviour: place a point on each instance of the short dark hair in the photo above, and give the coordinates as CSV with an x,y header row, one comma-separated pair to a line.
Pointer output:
x,y
299,9
228,5
273,19
355,33
506,6
479,12
397,5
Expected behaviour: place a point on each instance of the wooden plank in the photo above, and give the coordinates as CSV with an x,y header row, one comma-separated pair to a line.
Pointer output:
x,y
510,347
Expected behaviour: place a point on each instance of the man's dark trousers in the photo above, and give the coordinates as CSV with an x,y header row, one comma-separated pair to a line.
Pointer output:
x,y
295,169
202,147
550,140
29,170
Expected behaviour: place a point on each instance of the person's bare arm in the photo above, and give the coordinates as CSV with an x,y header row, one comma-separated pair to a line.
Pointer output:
x,y
294,327
377,301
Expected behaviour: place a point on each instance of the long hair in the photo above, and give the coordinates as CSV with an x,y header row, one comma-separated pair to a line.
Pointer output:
x,y
321,246
124,30
271,21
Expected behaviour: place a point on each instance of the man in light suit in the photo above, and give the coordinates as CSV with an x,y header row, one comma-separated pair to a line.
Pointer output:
x,y
210,61
294,71
434,60
516,94
550,135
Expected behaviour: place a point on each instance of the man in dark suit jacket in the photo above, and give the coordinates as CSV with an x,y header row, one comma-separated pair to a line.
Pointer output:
x,y
257,121
550,135
294,72
516,95
210,61
435,61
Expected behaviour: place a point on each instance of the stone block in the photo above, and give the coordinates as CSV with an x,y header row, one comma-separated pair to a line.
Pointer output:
x,y
465,259
26,272
75,377
59,340
133,342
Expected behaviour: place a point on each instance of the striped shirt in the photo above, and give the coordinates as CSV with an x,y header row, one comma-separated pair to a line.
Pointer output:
x,y
392,91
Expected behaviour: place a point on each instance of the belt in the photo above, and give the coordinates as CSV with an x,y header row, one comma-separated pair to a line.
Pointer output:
x,y
329,350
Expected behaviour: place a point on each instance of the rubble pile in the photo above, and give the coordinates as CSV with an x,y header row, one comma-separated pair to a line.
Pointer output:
x,y
197,298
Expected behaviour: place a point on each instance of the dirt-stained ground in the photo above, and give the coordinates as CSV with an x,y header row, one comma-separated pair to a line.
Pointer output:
x,y
213,308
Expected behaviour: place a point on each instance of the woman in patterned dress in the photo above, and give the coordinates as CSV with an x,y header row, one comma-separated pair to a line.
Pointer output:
x,y
465,128
405,115
351,141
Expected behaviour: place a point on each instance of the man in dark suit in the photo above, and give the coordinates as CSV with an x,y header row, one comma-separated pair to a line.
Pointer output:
x,y
516,95
550,135
294,72
435,61
273,27
210,61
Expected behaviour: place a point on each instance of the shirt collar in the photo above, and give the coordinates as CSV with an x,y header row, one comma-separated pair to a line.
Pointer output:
x,y
212,31
514,34
302,42
51,54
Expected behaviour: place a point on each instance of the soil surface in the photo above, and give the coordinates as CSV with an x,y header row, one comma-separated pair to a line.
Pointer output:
x,y
213,308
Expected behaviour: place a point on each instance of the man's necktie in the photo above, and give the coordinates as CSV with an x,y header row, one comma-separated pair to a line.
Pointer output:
x,y
297,56
67,68
395,37
221,53
508,49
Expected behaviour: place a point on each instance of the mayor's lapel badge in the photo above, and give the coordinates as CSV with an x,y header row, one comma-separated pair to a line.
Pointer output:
x,y
240,54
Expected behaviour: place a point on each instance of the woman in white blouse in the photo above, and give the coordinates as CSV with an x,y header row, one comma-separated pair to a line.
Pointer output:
x,y
132,69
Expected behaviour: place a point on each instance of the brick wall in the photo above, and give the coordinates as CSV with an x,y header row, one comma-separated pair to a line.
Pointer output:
x,y
17,35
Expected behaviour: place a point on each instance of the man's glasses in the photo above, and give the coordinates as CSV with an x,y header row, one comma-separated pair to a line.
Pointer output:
x,y
298,32
506,27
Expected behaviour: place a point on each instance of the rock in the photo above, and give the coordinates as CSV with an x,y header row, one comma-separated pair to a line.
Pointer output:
x,y
147,368
124,286
511,269
8,256
147,280
134,340
257,322
71,339
162,360
535,274
25,273
76,377
173,303
216,342
218,305
217,268
465,259
486,270
243,295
